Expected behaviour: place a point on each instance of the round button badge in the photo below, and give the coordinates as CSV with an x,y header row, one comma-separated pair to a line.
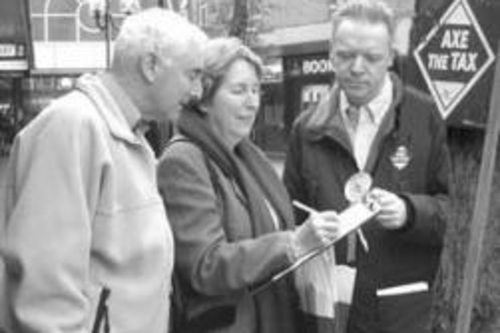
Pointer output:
x,y
357,186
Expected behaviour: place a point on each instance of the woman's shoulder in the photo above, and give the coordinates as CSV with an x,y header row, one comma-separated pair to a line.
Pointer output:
x,y
181,147
182,155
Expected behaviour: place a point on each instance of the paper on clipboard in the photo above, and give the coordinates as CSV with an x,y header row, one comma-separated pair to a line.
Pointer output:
x,y
355,216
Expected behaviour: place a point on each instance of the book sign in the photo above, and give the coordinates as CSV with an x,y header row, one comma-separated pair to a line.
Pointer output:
x,y
453,56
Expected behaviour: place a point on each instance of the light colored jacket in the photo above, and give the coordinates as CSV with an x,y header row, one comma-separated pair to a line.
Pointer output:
x,y
83,213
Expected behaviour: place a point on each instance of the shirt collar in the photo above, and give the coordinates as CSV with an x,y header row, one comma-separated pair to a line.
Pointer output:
x,y
377,107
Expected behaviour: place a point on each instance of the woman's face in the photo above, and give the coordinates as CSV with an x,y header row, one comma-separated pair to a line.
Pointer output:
x,y
234,106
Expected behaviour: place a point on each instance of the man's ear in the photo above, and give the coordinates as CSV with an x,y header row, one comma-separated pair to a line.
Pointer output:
x,y
150,65
332,57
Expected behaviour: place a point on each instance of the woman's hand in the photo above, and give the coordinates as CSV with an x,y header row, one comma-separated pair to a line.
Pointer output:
x,y
318,230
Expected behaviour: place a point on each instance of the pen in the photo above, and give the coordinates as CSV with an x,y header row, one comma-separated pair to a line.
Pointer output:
x,y
304,207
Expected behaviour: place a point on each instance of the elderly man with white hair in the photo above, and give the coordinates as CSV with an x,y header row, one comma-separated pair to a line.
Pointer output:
x,y
85,238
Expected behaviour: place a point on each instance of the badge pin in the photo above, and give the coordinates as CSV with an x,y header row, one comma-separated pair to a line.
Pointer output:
x,y
401,158
357,187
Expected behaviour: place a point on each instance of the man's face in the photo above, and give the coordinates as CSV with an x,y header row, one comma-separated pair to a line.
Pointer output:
x,y
361,55
179,81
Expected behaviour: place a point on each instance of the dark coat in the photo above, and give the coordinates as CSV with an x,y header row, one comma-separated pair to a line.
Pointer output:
x,y
320,161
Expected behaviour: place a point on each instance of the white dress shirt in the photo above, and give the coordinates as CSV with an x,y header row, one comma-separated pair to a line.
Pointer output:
x,y
362,123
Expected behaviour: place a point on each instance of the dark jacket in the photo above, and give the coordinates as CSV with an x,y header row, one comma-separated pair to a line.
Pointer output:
x,y
320,161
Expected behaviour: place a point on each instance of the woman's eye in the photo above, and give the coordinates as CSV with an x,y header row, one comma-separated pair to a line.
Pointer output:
x,y
238,90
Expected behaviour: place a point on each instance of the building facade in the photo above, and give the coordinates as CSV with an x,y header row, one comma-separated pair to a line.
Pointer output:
x,y
68,38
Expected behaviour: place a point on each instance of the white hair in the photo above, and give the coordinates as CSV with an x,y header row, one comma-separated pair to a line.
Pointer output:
x,y
157,30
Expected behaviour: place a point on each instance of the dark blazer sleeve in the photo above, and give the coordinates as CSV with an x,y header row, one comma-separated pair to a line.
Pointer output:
x,y
430,210
204,257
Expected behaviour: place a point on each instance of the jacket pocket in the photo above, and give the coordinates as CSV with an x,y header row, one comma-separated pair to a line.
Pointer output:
x,y
409,313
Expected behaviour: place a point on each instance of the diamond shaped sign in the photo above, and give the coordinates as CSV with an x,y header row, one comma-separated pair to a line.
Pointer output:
x,y
453,56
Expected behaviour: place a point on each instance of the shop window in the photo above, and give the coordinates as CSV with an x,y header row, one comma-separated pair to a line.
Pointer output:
x,y
269,131
8,116
312,94
40,91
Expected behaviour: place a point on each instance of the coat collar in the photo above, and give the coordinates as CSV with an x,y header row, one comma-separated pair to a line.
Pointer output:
x,y
325,121
115,107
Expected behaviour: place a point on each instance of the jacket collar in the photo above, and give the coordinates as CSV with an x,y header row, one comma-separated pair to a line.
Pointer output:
x,y
325,121
115,107
377,107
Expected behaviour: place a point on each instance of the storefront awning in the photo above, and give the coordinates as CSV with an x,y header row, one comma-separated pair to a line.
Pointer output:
x,y
15,36
297,39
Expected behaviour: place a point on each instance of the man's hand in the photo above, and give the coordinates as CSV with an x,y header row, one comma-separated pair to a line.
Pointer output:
x,y
393,214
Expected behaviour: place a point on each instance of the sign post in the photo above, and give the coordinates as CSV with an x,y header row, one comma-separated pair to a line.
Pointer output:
x,y
481,208
453,56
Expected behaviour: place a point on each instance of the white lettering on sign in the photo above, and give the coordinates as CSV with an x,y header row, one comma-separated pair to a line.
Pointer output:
x,y
456,55
463,61
316,66
455,61
438,62
455,39
7,50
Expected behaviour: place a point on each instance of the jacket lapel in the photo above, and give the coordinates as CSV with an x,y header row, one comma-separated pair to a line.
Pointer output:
x,y
326,121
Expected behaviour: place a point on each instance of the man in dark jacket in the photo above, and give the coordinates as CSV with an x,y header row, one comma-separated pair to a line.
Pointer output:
x,y
371,124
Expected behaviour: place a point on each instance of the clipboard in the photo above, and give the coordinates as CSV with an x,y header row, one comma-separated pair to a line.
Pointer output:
x,y
351,219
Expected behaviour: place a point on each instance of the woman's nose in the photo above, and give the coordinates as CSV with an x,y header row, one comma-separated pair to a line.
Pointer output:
x,y
253,99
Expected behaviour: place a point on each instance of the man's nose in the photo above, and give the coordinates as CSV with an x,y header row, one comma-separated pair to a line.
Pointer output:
x,y
358,64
